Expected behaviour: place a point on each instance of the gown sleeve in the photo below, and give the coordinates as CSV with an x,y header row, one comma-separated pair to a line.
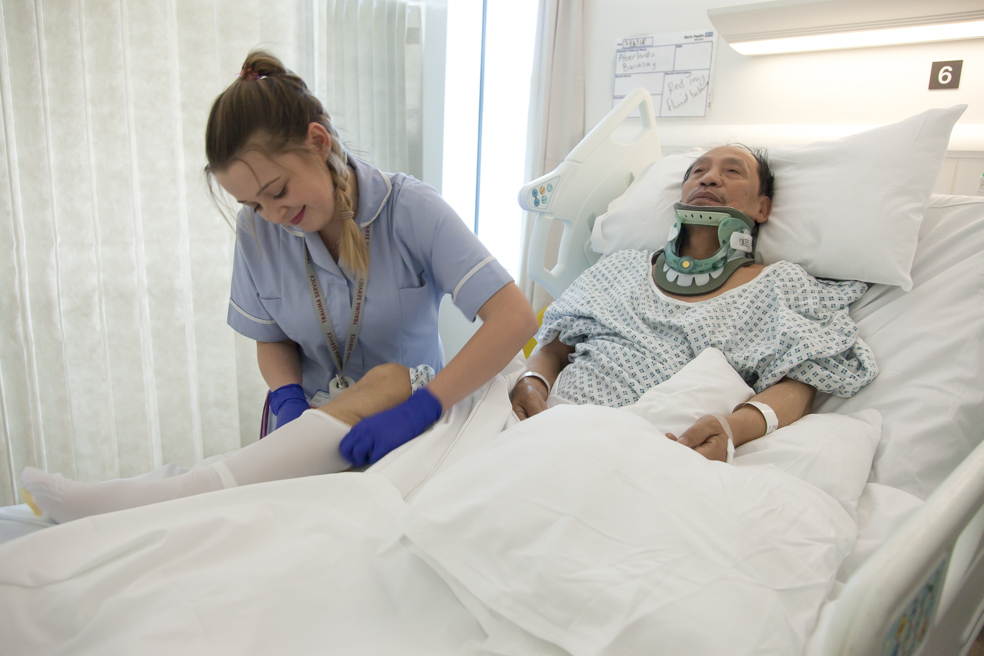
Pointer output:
x,y
810,337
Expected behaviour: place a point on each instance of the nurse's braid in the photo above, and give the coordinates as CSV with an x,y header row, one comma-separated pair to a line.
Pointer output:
x,y
352,250
268,108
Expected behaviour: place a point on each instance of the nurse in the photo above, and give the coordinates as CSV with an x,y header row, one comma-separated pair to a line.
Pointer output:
x,y
340,267
339,273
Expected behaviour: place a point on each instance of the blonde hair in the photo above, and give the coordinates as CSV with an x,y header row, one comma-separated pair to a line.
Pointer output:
x,y
269,108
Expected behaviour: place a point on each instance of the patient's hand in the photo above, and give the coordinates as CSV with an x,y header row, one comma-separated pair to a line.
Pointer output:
x,y
707,437
528,398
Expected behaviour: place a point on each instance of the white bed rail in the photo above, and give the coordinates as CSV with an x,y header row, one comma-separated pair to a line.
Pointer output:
x,y
921,592
593,185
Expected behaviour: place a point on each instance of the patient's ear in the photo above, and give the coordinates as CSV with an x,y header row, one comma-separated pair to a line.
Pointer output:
x,y
765,209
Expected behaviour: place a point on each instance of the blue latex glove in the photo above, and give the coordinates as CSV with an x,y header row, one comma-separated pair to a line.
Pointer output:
x,y
287,403
375,436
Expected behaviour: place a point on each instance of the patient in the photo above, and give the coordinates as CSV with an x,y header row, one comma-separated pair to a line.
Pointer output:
x,y
635,318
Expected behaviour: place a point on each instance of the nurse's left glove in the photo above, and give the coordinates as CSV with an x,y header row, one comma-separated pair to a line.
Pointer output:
x,y
288,403
375,436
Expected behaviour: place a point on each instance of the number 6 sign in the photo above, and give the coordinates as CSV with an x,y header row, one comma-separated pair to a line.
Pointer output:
x,y
945,75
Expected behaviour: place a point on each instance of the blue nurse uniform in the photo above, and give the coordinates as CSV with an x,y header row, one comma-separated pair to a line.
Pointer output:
x,y
420,251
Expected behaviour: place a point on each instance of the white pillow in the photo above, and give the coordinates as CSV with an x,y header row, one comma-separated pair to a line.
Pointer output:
x,y
848,209
707,384
830,451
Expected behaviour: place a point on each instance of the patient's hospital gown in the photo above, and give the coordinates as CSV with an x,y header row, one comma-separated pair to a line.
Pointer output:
x,y
629,336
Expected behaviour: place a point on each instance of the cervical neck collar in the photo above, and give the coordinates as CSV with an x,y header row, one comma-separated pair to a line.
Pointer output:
x,y
688,277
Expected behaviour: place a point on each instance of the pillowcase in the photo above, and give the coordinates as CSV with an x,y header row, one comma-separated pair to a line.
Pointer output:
x,y
708,384
830,451
834,200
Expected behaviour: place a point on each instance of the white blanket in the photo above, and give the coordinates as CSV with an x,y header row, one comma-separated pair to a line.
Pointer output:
x,y
583,531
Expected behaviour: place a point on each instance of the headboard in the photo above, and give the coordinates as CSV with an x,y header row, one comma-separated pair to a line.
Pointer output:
x,y
601,167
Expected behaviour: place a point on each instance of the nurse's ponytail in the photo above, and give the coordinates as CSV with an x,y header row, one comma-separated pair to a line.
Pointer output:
x,y
269,108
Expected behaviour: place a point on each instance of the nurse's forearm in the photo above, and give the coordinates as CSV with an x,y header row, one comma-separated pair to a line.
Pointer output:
x,y
279,363
508,323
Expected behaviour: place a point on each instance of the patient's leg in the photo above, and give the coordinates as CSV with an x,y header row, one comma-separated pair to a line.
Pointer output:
x,y
306,446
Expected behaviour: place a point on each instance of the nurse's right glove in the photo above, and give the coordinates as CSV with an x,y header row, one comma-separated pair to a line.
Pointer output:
x,y
287,403
375,436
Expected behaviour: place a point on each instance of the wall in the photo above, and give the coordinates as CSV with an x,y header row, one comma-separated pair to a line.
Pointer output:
x,y
796,98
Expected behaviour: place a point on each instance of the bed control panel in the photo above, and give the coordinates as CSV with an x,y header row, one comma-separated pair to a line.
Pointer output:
x,y
909,629
536,197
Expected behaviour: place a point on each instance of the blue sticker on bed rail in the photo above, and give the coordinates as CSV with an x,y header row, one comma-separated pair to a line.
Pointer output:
x,y
908,631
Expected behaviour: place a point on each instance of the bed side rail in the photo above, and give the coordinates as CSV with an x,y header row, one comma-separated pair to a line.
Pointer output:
x,y
923,591
598,170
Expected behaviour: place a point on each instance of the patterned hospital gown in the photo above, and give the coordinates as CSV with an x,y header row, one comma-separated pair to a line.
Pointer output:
x,y
628,336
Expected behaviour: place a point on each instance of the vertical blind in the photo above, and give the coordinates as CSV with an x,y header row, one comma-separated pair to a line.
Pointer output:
x,y
114,262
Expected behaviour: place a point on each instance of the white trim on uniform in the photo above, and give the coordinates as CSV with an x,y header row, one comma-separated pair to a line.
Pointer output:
x,y
266,322
475,269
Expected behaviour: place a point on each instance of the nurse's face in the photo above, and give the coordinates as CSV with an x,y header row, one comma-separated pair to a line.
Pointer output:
x,y
293,189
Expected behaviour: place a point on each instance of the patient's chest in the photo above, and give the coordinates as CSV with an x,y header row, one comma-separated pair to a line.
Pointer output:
x,y
635,336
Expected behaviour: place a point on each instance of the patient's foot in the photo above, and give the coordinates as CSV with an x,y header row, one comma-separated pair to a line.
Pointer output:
x,y
63,500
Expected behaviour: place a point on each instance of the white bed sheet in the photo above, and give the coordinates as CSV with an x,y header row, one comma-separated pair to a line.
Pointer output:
x,y
323,561
343,563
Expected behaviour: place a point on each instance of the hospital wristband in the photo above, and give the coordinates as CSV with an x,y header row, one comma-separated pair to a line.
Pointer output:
x,y
731,441
771,419
539,377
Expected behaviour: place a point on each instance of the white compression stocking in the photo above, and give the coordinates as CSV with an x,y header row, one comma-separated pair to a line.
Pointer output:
x,y
306,446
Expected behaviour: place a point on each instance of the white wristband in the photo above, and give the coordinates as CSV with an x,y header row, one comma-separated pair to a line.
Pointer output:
x,y
771,419
731,441
539,377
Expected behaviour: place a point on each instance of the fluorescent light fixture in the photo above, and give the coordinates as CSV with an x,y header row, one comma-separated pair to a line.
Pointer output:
x,y
803,25
863,39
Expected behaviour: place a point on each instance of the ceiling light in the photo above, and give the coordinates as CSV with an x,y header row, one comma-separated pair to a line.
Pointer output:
x,y
804,25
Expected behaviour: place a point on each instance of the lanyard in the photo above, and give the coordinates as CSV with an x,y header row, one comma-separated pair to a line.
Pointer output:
x,y
339,357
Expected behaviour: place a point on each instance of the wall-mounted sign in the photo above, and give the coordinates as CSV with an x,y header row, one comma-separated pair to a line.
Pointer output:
x,y
945,75
674,68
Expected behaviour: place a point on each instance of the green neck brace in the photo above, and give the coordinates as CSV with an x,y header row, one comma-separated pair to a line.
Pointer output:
x,y
687,276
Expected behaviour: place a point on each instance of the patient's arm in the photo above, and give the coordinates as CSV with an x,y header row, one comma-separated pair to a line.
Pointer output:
x,y
790,399
529,396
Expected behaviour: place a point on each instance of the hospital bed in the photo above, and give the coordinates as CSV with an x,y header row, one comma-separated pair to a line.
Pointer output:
x,y
922,591
582,530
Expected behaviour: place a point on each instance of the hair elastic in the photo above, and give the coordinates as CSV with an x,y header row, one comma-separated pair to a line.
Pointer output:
x,y
247,73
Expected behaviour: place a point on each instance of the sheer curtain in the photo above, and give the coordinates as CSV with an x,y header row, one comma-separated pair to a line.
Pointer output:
x,y
114,353
556,120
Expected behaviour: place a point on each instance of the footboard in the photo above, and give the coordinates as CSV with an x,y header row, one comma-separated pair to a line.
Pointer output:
x,y
923,591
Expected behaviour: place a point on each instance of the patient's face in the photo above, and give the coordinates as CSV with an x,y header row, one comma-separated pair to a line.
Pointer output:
x,y
727,176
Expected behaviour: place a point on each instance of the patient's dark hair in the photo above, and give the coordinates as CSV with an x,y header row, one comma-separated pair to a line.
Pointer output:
x,y
767,179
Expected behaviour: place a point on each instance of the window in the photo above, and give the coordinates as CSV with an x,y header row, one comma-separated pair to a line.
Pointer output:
x,y
487,88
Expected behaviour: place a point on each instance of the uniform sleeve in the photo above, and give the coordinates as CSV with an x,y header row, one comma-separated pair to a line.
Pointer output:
x,y
247,314
814,340
435,236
